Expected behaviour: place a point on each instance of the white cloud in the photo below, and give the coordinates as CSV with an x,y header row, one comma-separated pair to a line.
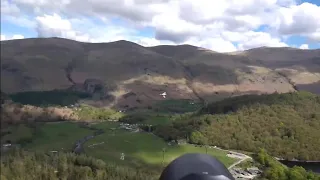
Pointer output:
x,y
3,37
315,36
224,26
80,29
16,36
216,44
299,20
258,39
9,9
252,39
304,46
55,26
144,41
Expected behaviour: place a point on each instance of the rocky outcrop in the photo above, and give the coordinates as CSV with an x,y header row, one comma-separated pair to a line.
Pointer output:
x,y
93,86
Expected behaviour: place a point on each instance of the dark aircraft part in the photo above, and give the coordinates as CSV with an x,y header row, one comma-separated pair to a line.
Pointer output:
x,y
196,167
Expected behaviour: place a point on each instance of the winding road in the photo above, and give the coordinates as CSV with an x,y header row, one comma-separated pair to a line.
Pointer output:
x,y
240,161
243,156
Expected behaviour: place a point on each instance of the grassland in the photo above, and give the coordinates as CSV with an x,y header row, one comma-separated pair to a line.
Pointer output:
x,y
140,148
162,112
89,113
17,134
47,137
56,136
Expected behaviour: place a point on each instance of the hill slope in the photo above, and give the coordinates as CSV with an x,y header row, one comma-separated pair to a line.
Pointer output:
x,y
125,74
286,125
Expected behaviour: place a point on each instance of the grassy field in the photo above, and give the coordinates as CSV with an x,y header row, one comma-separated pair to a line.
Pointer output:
x,y
140,148
17,134
86,112
55,136
47,137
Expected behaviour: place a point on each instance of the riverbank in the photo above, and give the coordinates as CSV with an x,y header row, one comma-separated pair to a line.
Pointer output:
x,y
313,166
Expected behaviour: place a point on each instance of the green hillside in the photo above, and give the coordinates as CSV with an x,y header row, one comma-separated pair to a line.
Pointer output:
x,y
286,125
30,166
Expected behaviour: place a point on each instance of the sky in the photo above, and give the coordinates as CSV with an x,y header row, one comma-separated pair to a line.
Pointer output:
x,y
219,25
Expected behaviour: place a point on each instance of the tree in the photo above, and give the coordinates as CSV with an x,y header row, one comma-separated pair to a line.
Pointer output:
x,y
297,173
279,123
197,138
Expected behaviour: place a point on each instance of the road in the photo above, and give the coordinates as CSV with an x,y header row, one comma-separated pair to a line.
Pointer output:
x,y
240,161
242,158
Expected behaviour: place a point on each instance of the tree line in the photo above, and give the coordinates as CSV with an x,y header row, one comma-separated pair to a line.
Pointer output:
x,y
22,165
286,125
273,170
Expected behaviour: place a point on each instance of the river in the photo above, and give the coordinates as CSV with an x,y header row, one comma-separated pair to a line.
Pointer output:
x,y
311,166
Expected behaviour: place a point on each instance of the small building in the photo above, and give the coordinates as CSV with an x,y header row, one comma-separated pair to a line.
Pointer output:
x,y
254,170
181,141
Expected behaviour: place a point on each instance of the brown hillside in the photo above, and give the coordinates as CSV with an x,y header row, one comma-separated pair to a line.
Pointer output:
x,y
12,113
260,70
134,75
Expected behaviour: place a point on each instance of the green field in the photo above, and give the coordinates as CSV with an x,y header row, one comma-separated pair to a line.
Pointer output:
x,y
88,113
17,134
56,136
140,148
47,137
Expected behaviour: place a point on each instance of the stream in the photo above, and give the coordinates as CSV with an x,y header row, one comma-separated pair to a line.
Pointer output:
x,y
79,143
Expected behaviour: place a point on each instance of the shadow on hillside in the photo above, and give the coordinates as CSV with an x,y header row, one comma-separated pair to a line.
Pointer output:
x,y
310,65
313,88
48,98
221,95
144,94
211,74
118,61
232,104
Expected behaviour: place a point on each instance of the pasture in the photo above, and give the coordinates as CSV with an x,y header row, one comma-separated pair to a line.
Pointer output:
x,y
140,148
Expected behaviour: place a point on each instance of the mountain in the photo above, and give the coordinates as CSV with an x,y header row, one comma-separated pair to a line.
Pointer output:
x,y
125,74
